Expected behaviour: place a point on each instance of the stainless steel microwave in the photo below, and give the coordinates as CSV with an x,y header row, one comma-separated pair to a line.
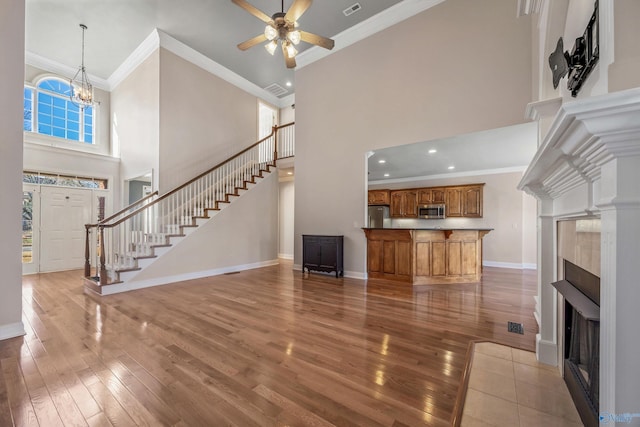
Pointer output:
x,y
431,211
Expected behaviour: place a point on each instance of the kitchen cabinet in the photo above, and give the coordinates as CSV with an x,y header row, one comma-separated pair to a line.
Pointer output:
x,y
453,201
425,256
378,197
389,254
404,204
472,201
323,253
464,201
430,196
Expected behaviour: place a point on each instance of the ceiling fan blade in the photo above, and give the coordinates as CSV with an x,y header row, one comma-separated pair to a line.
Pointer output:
x,y
297,9
317,40
253,10
291,62
252,42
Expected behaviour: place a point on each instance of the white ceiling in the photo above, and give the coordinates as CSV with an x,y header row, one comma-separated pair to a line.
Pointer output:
x,y
504,149
211,27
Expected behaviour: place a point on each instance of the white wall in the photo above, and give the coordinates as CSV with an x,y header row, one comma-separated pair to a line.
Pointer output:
x,y
287,115
203,120
286,218
459,67
623,72
135,120
11,88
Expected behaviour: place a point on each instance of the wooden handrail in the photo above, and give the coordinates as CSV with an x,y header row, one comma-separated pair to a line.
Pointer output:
x,y
155,193
136,203
105,223
164,196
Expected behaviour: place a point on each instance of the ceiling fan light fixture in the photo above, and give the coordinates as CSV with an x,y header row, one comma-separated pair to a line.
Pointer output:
x,y
291,51
271,46
282,28
270,33
294,36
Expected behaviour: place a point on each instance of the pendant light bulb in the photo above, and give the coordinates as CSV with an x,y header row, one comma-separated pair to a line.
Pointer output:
x,y
291,51
269,32
294,36
271,46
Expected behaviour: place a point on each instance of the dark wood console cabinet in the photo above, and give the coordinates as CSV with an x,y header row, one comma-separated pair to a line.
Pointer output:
x,y
322,253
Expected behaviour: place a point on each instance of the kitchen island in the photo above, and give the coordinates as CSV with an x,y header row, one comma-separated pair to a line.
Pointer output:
x,y
425,256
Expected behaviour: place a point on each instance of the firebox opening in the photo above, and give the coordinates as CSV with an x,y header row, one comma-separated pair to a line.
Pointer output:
x,y
581,292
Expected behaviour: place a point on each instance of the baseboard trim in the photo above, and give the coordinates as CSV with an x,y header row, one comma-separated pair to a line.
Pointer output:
x,y
513,265
12,330
286,256
131,286
546,351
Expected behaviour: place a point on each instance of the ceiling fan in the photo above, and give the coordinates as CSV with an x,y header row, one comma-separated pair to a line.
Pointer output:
x,y
282,27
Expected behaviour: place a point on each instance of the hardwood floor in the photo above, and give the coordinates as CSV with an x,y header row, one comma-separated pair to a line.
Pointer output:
x,y
264,347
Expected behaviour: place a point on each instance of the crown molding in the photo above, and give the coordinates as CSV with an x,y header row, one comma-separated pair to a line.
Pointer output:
x,y
196,58
481,172
54,67
287,101
159,39
383,20
133,61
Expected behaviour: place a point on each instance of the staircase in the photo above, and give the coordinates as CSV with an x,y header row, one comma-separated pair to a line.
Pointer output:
x,y
132,239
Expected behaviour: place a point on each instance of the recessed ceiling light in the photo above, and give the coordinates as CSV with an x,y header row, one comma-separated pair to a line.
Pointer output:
x,y
288,84
433,150
289,173
386,175
382,161
451,167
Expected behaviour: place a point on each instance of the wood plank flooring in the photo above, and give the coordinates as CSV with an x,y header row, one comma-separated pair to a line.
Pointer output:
x,y
264,347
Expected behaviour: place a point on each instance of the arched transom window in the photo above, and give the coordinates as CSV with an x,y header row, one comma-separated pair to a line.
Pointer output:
x,y
48,110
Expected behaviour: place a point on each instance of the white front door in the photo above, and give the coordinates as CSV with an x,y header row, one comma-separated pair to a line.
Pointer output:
x,y
64,212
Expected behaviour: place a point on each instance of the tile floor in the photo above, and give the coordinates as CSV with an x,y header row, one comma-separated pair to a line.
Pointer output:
x,y
508,387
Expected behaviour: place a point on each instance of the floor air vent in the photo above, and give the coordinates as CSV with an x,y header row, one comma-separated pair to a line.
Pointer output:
x,y
276,89
516,328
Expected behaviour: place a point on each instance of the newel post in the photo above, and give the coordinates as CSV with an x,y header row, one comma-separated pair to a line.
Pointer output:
x,y
103,267
87,262
275,144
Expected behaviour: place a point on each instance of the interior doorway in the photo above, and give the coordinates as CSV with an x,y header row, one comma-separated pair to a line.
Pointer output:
x,y
138,188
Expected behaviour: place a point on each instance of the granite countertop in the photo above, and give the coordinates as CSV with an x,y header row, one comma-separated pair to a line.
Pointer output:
x,y
433,228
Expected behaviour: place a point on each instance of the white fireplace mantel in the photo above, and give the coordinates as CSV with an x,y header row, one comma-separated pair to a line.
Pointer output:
x,y
589,164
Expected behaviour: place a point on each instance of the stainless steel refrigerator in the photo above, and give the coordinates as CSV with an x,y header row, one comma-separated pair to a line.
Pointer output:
x,y
379,217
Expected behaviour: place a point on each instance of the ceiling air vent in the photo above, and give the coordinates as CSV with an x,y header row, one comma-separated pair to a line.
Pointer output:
x,y
352,9
276,89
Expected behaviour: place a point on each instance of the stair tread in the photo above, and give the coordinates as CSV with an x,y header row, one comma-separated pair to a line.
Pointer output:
x,y
124,270
199,209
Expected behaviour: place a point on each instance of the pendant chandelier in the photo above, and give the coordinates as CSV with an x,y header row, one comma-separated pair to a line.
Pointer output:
x,y
81,88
